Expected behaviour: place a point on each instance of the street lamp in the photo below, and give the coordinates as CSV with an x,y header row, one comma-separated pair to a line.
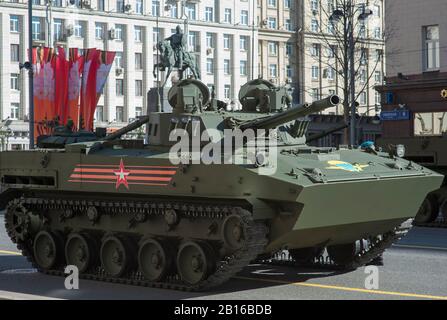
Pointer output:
x,y
348,16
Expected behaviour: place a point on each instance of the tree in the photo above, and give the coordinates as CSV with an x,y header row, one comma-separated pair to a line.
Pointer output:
x,y
342,44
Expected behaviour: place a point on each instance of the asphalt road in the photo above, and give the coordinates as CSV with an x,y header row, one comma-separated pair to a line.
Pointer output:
x,y
414,269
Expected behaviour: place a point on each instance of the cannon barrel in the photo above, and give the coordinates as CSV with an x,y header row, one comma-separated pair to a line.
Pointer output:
x,y
130,127
275,120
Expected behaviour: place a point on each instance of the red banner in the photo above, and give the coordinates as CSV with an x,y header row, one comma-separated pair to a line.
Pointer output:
x,y
88,89
61,91
74,87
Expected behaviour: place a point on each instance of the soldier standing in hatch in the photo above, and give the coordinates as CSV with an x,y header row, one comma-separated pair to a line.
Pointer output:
x,y
178,45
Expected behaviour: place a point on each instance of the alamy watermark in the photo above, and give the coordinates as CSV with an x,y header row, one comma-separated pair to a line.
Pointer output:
x,y
72,279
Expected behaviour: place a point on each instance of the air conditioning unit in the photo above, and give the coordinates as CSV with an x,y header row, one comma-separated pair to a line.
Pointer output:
x,y
168,7
128,7
209,51
314,12
118,71
86,4
264,22
112,34
69,30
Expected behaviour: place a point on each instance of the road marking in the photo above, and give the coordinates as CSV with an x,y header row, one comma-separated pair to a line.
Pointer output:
x,y
419,247
13,253
8,295
324,286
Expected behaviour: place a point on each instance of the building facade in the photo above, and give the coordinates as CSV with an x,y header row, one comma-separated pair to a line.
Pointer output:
x,y
320,62
416,69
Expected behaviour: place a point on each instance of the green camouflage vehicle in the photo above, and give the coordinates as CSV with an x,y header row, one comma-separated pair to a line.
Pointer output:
x,y
431,152
123,211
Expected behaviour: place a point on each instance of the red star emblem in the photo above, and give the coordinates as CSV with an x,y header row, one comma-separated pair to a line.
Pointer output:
x,y
121,175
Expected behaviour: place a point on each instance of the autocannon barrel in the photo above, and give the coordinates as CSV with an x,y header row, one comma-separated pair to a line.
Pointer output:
x,y
275,120
130,127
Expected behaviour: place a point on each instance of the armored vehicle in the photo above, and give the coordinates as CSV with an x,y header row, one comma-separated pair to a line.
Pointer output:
x,y
158,215
431,152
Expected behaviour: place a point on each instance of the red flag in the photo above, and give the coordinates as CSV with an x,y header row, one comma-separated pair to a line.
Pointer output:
x,y
61,91
88,88
74,87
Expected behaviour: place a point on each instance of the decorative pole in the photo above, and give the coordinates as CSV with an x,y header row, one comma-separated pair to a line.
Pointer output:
x,y
30,75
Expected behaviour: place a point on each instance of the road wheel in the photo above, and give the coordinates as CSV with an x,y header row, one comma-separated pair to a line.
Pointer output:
x,y
116,257
48,249
428,210
80,251
195,261
154,259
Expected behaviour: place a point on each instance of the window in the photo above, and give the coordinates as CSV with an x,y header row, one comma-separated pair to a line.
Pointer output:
x,y
209,14
119,32
37,31
56,3
15,107
330,73
314,5
227,69
191,11
209,40
362,29
362,75
209,66
376,10
431,49
15,81
330,6
173,11
289,49
289,71
315,72
156,35
243,68
288,25
227,91
15,52
119,87
138,111
273,48
99,117
101,6
330,27
364,56
138,34
57,32
119,60
314,25
377,33
139,6
243,41
287,4
119,114
378,76
363,98
99,31
155,8
14,23
193,41
271,22
78,32
273,70
139,88
138,61
315,93
244,17
120,6
227,15
271,3
227,41
315,50
377,98
331,51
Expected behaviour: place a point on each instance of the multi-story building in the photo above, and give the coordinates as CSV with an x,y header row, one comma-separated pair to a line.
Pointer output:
x,y
221,34
416,79
321,42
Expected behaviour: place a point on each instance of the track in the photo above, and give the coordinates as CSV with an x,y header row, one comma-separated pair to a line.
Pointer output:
x,y
253,244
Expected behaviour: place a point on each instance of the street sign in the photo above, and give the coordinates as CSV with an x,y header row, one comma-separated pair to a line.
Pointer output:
x,y
395,115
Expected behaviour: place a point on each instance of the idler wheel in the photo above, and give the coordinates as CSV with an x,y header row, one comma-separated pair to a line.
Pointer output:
x,y
305,255
233,232
116,257
80,251
18,221
155,259
48,249
428,210
195,261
